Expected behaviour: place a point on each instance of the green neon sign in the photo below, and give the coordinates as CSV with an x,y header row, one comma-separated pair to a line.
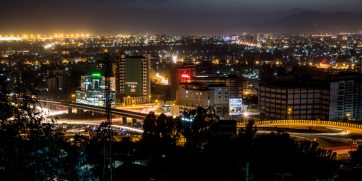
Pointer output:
x,y
96,75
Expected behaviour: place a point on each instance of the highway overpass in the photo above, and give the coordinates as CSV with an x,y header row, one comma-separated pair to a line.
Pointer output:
x,y
117,112
352,127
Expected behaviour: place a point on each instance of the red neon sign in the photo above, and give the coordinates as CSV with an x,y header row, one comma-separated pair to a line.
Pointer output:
x,y
185,76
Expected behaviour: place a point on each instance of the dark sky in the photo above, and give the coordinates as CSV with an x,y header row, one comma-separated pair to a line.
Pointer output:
x,y
154,16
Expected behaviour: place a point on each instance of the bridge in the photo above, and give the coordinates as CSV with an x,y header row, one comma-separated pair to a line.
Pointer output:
x,y
135,116
352,127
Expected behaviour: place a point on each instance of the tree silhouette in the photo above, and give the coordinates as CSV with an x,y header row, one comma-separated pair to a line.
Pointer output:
x,y
28,148
160,133
196,125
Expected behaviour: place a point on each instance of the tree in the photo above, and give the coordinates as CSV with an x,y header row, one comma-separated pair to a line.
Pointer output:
x,y
356,157
196,125
28,148
160,133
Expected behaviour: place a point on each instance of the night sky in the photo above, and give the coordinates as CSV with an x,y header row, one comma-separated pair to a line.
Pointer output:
x,y
153,16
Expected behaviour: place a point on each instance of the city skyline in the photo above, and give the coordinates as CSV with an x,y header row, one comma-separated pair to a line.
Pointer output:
x,y
176,90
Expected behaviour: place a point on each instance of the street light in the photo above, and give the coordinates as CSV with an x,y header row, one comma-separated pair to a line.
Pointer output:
x,y
73,96
348,116
290,111
245,115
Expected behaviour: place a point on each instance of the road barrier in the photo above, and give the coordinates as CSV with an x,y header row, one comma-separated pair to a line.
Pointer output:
x,y
304,122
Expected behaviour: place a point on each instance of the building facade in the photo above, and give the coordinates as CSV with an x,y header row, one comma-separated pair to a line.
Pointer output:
x,y
233,83
133,85
346,98
180,74
193,95
280,101
92,90
337,98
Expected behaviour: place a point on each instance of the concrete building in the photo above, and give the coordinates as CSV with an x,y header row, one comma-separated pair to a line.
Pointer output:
x,y
219,96
180,73
233,83
193,95
337,98
346,98
290,100
133,85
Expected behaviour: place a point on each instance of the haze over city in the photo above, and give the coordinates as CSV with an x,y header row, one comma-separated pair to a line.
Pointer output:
x,y
169,16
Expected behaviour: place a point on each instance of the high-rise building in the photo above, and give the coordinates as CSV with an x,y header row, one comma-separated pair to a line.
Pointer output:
x,y
133,85
346,98
92,90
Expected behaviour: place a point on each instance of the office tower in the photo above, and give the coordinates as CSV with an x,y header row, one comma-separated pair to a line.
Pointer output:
x,y
293,100
92,90
133,80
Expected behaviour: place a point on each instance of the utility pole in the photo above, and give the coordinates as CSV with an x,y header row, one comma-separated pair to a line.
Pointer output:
x,y
108,137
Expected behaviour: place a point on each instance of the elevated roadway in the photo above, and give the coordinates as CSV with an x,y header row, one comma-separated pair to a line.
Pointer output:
x,y
117,112
352,127
339,137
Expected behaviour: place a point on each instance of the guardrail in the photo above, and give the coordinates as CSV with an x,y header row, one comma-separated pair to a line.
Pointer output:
x,y
304,122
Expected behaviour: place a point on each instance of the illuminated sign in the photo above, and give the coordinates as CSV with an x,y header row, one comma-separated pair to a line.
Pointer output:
x,y
132,86
235,106
185,76
96,75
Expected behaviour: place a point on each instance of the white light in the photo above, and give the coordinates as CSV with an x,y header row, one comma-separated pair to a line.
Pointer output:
x,y
48,46
10,39
174,58
187,119
246,114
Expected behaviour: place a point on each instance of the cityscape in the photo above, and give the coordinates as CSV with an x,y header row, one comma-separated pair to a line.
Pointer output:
x,y
181,90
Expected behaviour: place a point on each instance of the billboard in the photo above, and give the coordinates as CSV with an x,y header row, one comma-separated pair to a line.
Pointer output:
x,y
235,106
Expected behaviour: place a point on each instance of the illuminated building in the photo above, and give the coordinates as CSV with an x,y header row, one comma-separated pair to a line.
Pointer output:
x,y
92,90
133,79
220,99
234,83
193,95
180,74
336,98
346,98
293,100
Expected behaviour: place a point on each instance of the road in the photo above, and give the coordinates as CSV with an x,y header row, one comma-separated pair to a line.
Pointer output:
x,y
97,122
120,112
338,140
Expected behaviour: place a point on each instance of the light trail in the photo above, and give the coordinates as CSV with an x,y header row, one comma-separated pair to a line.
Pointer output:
x,y
96,123
10,39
